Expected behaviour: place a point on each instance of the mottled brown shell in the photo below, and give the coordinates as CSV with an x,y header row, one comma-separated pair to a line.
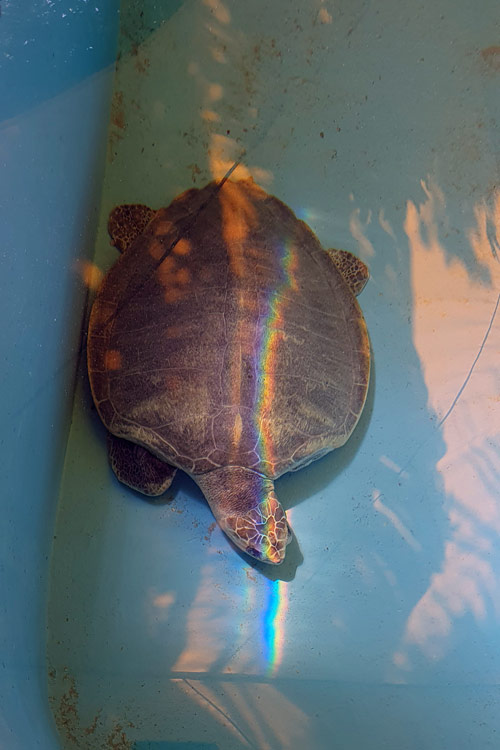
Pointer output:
x,y
225,335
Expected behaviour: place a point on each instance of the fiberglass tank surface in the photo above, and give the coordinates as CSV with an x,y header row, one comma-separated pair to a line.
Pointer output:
x,y
55,64
376,125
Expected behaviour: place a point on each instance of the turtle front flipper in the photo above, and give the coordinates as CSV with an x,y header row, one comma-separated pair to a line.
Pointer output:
x,y
246,508
352,269
138,468
127,222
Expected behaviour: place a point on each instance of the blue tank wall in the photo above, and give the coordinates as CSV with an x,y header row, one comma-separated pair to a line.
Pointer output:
x,y
55,75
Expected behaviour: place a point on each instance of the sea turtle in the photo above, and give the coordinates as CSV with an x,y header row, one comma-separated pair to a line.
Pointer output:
x,y
228,343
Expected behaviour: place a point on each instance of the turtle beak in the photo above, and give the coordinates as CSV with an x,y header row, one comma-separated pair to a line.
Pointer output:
x,y
263,532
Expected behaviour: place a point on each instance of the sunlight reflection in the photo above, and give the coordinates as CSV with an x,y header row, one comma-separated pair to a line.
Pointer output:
x,y
159,606
90,274
396,522
205,639
209,115
457,338
357,228
392,465
163,601
256,712
386,225
324,16
220,12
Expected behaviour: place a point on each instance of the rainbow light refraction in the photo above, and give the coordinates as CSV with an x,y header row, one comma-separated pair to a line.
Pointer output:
x,y
273,631
272,331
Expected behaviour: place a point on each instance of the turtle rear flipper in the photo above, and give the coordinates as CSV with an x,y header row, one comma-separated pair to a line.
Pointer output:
x,y
127,222
352,269
138,468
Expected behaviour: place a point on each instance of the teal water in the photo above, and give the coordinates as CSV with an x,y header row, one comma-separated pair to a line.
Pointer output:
x,y
376,123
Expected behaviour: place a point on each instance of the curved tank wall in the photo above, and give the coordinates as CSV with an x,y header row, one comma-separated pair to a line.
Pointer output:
x,y
378,124
55,74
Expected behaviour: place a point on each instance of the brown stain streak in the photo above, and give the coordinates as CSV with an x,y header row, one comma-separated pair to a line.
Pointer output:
x,y
68,721
117,111
491,56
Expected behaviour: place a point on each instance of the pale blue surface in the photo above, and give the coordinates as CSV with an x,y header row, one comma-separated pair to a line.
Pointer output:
x,y
378,124
54,102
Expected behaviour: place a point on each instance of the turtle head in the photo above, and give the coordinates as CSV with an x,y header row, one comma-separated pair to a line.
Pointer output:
x,y
261,532
246,508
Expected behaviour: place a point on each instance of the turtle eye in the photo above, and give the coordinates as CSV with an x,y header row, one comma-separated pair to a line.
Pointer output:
x,y
253,552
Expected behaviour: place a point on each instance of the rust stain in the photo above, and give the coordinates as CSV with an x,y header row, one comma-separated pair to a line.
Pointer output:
x,y
491,57
117,111
118,740
142,65
91,729
66,715
195,171
210,530
69,724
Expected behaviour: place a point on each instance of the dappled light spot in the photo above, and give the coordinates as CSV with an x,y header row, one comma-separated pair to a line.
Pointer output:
x,y
166,270
183,276
391,516
400,660
90,274
162,601
357,228
156,249
386,461
223,153
218,55
386,225
238,218
112,360
182,247
209,115
215,92
261,175
324,16
219,11
163,227
173,295
173,279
